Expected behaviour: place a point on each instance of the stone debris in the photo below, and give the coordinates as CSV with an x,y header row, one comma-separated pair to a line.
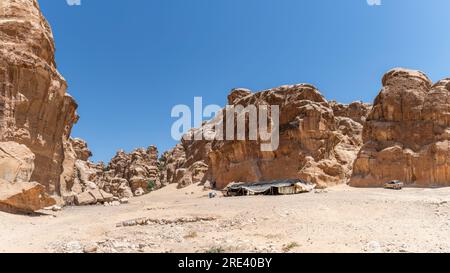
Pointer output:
x,y
54,208
148,221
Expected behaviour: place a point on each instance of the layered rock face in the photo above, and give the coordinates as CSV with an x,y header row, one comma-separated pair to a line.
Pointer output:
x,y
186,163
140,169
315,144
407,133
35,109
357,111
126,175
79,175
23,197
17,194
16,162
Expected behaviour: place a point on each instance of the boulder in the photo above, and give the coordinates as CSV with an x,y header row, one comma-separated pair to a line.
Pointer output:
x,y
107,197
139,192
97,195
23,197
84,199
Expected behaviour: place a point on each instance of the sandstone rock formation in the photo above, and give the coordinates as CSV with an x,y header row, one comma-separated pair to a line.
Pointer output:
x,y
140,168
17,194
314,144
16,162
357,111
125,176
318,142
35,109
82,180
81,149
186,163
407,133
23,197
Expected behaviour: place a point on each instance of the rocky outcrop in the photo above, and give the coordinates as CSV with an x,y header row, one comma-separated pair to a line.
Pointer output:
x,y
23,197
17,193
82,178
186,163
357,111
35,109
16,162
407,133
80,149
315,144
140,168
126,175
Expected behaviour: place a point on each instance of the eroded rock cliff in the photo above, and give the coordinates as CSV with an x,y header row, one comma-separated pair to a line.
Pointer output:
x,y
17,193
35,109
126,175
407,133
318,142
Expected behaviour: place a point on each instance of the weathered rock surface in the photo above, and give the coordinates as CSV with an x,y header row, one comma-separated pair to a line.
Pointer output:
x,y
316,144
357,111
126,175
23,197
79,174
140,168
16,162
186,163
81,149
35,109
407,133
17,194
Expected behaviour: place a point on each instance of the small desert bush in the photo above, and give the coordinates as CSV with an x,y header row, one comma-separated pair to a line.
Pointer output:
x,y
290,246
215,249
151,185
191,235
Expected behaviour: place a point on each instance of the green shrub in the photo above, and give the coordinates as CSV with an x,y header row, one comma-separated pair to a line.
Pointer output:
x,y
151,185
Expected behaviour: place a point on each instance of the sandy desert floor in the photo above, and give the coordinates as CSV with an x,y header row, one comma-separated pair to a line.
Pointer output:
x,y
340,219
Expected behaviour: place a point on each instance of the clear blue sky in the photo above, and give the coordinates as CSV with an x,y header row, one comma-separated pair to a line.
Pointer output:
x,y
129,62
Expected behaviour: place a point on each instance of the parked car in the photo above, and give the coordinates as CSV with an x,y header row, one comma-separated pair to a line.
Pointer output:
x,y
394,185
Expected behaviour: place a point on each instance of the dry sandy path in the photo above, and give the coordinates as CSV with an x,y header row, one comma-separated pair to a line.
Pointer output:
x,y
342,219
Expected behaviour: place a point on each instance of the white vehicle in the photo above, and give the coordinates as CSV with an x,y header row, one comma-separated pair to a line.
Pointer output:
x,y
394,185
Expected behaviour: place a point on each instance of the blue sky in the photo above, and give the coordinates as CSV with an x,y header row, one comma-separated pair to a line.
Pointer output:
x,y
129,62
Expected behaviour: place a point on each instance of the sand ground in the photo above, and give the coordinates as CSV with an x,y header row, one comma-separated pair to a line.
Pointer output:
x,y
340,219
